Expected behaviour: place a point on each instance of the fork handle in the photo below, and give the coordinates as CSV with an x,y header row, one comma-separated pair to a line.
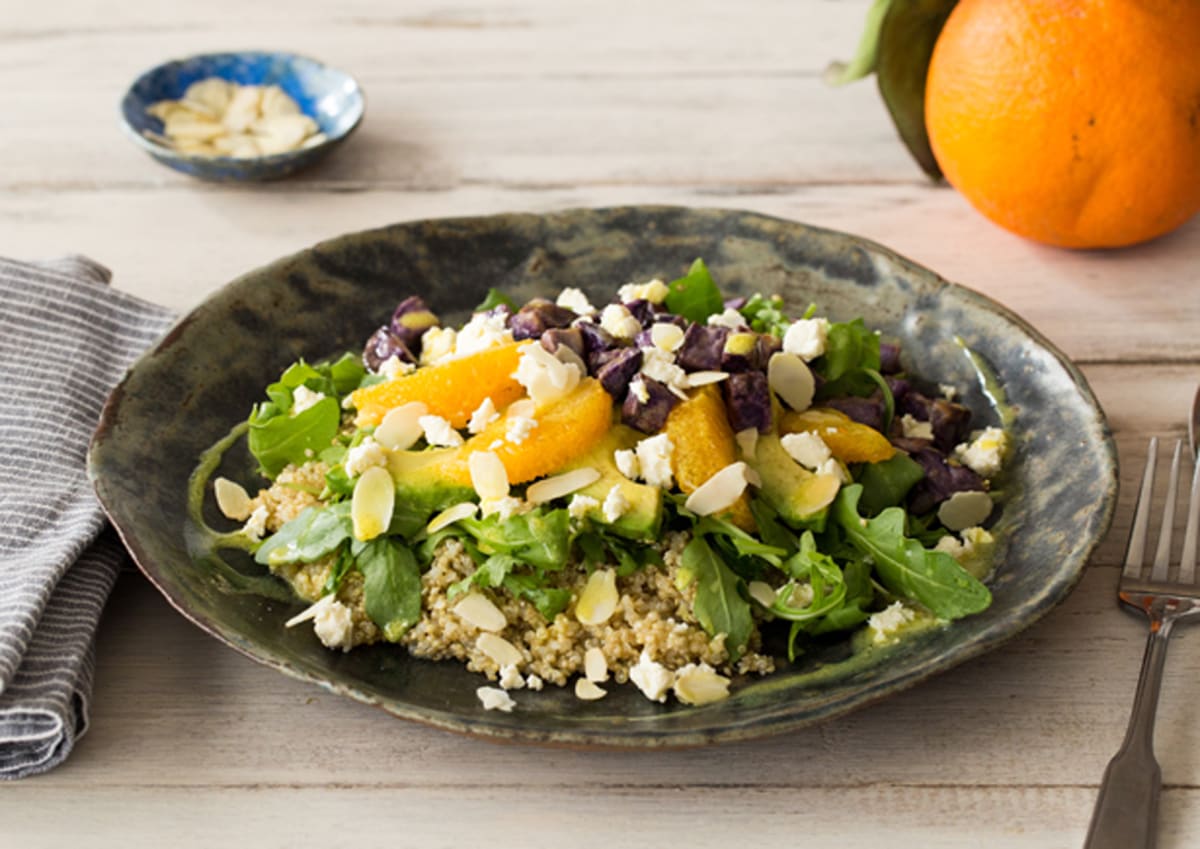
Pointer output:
x,y
1126,814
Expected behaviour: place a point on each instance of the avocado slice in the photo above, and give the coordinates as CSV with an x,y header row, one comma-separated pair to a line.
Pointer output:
x,y
420,484
795,493
643,519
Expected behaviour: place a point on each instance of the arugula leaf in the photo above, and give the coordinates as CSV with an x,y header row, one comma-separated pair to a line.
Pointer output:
x,y
549,601
695,296
850,349
491,573
746,545
316,532
494,299
885,484
772,531
344,561
719,605
932,578
540,538
766,315
278,440
391,586
338,484
860,593
820,573
347,373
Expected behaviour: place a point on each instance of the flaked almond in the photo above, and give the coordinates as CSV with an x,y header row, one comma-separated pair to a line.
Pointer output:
x,y
524,408
747,442
599,598
232,499
560,485
478,610
700,685
498,649
372,504
450,515
720,491
401,427
588,691
595,665
762,592
703,378
488,475
965,510
666,337
791,380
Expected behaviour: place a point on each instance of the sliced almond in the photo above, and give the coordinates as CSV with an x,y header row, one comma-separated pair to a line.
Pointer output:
x,y
665,336
499,650
372,504
720,491
191,127
281,133
791,380
488,475
275,101
965,510
762,592
599,598
243,108
401,427
232,499
700,685
595,665
212,95
588,691
479,610
703,378
525,408
747,442
560,485
450,515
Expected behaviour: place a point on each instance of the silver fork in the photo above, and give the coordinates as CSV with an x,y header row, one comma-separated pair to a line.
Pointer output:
x,y
1126,814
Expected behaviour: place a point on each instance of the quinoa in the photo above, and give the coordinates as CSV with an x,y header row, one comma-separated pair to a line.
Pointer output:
x,y
295,489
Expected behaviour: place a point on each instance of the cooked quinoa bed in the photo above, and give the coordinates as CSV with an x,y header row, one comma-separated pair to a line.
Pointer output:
x,y
652,615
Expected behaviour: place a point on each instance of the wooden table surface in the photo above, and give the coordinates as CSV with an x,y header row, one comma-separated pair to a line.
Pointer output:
x,y
536,105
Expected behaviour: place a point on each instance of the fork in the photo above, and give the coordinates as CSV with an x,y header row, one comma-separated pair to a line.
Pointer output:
x,y
1126,814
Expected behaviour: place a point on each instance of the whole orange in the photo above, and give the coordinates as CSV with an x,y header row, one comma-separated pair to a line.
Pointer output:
x,y
1071,122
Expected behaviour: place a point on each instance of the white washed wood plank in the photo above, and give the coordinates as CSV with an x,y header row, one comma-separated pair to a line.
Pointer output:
x,y
175,244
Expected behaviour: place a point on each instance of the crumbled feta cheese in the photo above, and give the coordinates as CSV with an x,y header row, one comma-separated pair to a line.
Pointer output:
x,y
654,460
652,678
439,432
948,392
519,428
580,505
334,625
806,338
534,682
484,330
973,551
545,377
483,416
627,463
885,624
807,449
618,321
615,504
505,507
256,525
576,301
437,345
365,455
493,698
637,388
303,398
394,367
835,469
915,428
510,678
654,291
985,454
731,318
660,365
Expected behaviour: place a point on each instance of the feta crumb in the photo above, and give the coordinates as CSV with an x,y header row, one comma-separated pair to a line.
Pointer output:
x,y
510,678
363,456
915,428
483,416
519,427
806,338
655,291
637,387
575,300
618,321
483,331
654,460
256,525
627,463
493,698
303,398
545,377
580,505
437,345
394,367
615,504
973,551
334,625
652,678
948,392
534,682
439,432
660,365
985,454
885,624
834,468
731,318
807,449
505,507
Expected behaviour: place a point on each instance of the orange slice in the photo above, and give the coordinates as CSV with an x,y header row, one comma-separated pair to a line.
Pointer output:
x,y
848,440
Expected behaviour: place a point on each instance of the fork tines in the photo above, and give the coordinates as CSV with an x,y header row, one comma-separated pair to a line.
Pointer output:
x,y
1141,521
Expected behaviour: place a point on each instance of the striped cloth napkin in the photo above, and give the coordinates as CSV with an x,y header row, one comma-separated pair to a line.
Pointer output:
x,y
65,340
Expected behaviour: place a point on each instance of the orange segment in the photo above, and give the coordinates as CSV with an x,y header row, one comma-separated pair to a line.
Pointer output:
x,y
704,444
848,440
452,390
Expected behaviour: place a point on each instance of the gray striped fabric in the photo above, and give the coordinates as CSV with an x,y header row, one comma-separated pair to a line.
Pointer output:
x,y
65,340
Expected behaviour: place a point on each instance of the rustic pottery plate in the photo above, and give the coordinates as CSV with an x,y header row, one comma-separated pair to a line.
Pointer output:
x,y
202,378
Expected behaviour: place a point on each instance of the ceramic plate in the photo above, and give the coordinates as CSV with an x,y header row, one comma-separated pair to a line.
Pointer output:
x,y
203,377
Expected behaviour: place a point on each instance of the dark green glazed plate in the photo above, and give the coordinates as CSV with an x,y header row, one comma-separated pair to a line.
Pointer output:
x,y
202,378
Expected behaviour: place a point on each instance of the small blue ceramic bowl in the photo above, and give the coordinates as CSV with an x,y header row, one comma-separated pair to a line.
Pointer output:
x,y
330,97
